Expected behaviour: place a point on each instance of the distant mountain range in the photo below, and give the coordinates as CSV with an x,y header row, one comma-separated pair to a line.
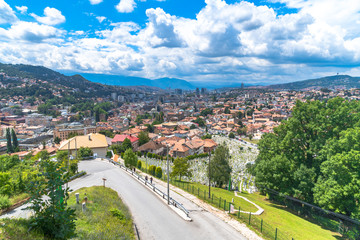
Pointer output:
x,y
163,83
331,82
101,83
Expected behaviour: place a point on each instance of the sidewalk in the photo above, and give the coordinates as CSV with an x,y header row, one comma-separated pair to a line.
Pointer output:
x,y
240,227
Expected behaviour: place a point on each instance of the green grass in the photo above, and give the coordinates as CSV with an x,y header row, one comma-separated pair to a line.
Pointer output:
x,y
275,216
17,229
106,216
254,141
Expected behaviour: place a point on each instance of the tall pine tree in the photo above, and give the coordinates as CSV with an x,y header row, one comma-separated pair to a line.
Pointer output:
x,y
15,143
8,141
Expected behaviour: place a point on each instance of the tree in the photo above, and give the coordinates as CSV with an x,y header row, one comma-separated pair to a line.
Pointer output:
x,y
143,138
227,110
149,128
231,135
84,152
292,159
181,168
219,166
9,146
51,214
158,172
130,158
57,140
126,144
192,126
15,143
205,112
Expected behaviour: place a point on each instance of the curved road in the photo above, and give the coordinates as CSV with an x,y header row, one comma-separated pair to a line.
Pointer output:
x,y
153,218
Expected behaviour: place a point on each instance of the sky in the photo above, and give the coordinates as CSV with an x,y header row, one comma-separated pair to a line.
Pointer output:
x,y
255,42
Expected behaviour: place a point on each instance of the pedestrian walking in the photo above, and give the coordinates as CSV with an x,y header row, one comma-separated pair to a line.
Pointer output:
x,y
150,180
146,177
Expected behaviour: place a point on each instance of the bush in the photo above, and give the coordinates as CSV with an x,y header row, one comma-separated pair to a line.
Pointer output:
x,y
152,169
231,135
149,155
158,172
4,202
85,152
108,154
139,154
138,164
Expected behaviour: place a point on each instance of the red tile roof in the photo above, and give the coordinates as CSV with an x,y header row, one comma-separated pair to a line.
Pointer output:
x,y
122,137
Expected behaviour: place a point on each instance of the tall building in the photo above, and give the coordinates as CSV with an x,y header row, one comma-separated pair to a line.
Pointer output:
x,y
203,91
114,96
197,91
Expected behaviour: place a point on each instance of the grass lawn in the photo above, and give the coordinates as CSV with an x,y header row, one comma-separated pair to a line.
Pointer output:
x,y
254,141
106,216
275,216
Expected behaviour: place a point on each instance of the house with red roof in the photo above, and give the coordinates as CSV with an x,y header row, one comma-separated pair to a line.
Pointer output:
x,y
119,139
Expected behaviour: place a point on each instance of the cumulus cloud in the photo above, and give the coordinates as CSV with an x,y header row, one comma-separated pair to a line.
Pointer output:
x,y
52,16
30,32
22,9
223,42
7,15
126,6
94,2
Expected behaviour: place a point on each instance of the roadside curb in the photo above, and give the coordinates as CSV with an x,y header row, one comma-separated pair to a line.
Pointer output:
x,y
152,188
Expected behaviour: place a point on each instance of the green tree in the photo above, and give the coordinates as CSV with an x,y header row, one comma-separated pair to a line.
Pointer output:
x,y
227,110
57,140
9,146
130,158
15,143
84,152
158,172
219,166
149,128
181,168
231,135
143,138
51,215
126,144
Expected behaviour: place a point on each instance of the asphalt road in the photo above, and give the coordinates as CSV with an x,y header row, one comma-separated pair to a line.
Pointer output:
x,y
153,218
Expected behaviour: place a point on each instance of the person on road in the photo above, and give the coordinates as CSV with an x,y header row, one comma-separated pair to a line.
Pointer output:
x,y
146,178
151,180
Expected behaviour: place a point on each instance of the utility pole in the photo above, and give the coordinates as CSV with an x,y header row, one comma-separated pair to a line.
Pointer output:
x,y
168,177
209,174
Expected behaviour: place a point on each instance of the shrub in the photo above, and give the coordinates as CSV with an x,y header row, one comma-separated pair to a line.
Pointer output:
x,y
138,164
84,152
4,202
152,169
231,135
158,172
149,155
108,154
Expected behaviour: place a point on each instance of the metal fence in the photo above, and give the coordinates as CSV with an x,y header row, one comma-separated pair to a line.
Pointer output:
x,y
151,186
254,221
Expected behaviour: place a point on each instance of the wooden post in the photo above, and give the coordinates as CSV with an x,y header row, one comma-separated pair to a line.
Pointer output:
x,y
261,225
276,234
249,218
239,213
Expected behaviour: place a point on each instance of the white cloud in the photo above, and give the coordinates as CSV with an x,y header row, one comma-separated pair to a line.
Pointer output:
x,y
22,9
7,15
224,42
30,32
52,16
100,18
126,6
94,2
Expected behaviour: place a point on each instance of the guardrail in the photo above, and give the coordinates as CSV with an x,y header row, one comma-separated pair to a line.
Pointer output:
x,y
151,186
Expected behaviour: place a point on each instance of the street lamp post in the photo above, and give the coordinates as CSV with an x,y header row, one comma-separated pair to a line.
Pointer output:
x,y
209,175
168,177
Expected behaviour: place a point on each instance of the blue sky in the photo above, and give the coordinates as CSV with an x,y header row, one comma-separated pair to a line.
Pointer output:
x,y
198,40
